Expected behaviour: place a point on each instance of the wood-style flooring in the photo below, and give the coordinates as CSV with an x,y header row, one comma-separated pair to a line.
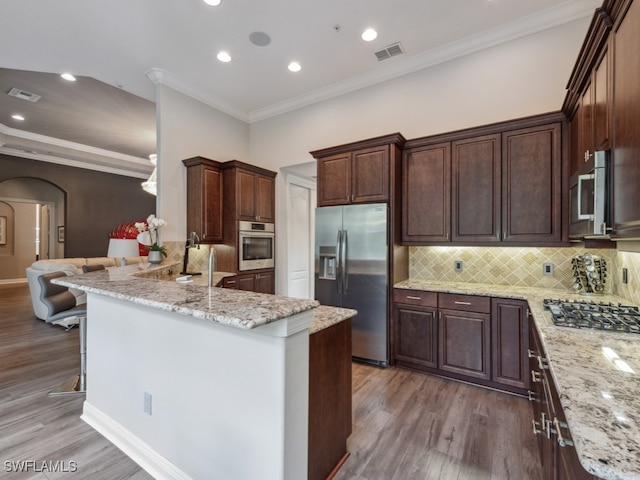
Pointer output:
x,y
406,425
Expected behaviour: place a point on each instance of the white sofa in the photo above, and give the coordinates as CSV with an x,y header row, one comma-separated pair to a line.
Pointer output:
x,y
71,266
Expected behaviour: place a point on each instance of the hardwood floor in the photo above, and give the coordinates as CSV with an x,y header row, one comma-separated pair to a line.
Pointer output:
x,y
407,425
34,359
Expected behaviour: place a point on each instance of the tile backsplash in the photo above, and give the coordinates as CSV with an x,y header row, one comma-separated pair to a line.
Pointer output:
x,y
507,265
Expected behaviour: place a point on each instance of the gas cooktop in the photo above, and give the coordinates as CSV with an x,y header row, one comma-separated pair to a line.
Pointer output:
x,y
599,315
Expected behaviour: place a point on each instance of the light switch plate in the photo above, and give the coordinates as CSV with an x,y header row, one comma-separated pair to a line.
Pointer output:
x,y
547,269
458,265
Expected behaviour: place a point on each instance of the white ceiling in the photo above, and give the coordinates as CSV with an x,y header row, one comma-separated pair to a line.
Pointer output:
x,y
126,43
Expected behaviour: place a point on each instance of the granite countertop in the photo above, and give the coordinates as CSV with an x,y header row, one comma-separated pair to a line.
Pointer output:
x,y
325,317
600,401
239,309
139,283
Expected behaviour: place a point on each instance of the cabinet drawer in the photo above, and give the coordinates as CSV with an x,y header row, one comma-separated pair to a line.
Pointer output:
x,y
467,303
415,297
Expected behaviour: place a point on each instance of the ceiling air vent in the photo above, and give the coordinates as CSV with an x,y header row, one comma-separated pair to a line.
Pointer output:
x,y
16,92
389,51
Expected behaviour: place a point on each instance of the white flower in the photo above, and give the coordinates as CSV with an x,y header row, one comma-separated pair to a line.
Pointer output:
x,y
141,227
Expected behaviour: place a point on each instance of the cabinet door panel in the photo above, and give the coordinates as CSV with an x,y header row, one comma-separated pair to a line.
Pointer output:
x,y
626,128
531,183
510,340
334,180
265,198
464,343
212,200
475,189
416,336
601,102
246,196
426,194
265,282
370,175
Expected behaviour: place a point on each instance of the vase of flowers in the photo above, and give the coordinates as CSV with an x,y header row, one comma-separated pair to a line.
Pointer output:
x,y
156,251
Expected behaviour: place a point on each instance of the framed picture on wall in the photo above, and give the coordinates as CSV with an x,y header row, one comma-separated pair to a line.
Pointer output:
x,y
60,234
3,230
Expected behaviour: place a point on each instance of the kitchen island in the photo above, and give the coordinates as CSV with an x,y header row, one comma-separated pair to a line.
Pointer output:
x,y
194,382
598,398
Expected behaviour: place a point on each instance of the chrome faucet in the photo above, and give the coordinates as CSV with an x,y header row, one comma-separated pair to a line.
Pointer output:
x,y
212,265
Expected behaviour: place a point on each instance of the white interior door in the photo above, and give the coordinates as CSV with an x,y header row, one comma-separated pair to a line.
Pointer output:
x,y
300,234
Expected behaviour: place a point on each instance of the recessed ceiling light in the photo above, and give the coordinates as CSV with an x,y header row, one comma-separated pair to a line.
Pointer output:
x,y
223,57
213,3
369,34
68,77
294,67
17,116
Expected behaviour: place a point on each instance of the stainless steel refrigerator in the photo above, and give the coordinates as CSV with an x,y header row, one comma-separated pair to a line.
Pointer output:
x,y
351,271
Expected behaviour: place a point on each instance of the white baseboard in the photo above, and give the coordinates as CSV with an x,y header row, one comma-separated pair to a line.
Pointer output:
x,y
140,452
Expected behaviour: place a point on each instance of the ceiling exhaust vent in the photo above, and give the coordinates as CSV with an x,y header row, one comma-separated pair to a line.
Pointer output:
x,y
16,92
389,51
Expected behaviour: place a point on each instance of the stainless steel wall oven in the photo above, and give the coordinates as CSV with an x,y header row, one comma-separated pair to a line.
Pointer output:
x,y
256,245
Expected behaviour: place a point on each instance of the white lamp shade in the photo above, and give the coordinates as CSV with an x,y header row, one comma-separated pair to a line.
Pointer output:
x,y
123,248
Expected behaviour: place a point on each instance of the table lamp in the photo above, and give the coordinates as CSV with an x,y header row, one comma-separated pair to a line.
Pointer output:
x,y
122,248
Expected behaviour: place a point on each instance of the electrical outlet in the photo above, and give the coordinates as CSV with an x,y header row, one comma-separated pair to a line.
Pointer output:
x,y
625,275
458,266
147,403
547,269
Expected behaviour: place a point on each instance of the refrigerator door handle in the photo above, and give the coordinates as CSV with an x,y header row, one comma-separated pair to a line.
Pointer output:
x,y
339,262
343,261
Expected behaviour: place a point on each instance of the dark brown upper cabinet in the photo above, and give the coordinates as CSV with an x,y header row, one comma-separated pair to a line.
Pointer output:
x,y
426,194
204,199
490,185
253,190
359,172
603,105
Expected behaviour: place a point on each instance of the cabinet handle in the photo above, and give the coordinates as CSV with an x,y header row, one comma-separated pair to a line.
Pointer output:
x,y
410,297
534,424
535,376
258,276
563,442
531,353
541,364
531,395
462,303
230,282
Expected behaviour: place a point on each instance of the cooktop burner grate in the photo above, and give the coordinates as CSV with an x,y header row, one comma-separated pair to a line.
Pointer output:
x,y
602,316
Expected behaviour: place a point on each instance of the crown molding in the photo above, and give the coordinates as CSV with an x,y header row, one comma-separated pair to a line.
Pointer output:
x,y
544,20
20,143
159,76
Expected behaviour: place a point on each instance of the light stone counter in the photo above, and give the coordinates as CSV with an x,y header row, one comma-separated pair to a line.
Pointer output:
x,y
325,317
600,401
235,308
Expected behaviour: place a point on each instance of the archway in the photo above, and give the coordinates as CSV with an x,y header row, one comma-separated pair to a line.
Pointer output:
x,y
32,213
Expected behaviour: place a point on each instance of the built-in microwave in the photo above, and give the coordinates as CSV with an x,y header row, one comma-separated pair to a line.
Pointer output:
x,y
256,245
590,198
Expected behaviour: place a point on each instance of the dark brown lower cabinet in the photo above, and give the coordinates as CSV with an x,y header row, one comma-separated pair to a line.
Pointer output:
x,y
559,457
468,337
510,340
465,343
261,282
329,399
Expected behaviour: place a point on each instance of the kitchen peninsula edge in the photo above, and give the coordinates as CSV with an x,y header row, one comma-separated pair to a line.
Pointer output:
x,y
198,382
598,399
